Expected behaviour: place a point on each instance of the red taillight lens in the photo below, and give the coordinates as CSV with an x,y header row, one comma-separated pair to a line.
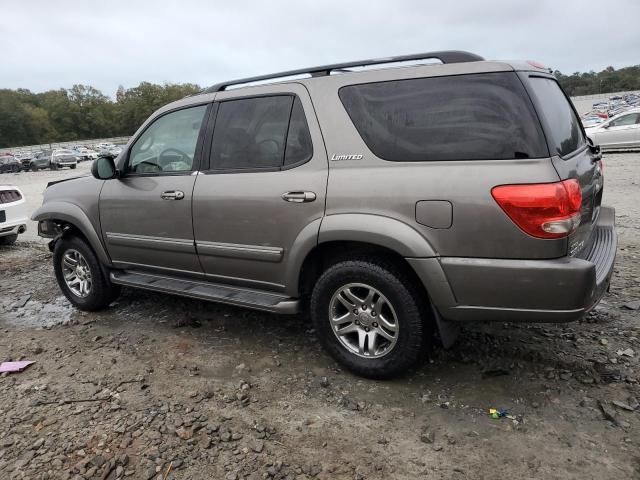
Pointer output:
x,y
543,210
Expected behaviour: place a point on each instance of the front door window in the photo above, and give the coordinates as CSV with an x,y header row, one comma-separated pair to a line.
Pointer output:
x,y
169,144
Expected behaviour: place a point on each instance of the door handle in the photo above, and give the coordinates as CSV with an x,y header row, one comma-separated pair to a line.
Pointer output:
x,y
172,195
299,197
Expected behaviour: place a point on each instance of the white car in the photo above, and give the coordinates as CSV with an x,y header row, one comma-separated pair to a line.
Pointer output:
x,y
103,146
621,131
13,214
85,153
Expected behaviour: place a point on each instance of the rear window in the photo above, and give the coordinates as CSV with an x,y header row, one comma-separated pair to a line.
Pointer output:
x,y
464,117
562,126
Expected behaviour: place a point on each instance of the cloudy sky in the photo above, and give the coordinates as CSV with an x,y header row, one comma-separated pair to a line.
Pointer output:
x,y
47,44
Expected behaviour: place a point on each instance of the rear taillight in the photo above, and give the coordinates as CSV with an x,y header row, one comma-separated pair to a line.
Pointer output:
x,y
543,210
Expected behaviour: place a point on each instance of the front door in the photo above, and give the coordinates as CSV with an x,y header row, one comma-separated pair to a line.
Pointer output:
x,y
264,190
146,213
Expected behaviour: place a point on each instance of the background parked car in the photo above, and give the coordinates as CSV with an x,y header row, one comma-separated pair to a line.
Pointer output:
x,y
40,160
592,120
13,214
9,163
113,151
84,153
621,131
63,158
25,160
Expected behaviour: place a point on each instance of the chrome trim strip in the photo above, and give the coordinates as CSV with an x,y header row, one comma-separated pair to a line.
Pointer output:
x,y
234,250
152,268
155,243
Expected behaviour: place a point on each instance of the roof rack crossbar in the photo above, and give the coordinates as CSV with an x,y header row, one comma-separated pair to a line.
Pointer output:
x,y
447,56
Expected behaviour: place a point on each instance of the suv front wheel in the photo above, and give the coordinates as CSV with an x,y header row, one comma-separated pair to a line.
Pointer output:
x,y
80,276
369,318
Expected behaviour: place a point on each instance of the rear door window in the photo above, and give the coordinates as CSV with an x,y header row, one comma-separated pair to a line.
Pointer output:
x,y
260,133
464,117
562,125
251,133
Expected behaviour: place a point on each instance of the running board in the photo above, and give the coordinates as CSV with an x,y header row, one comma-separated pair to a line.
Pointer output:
x,y
213,292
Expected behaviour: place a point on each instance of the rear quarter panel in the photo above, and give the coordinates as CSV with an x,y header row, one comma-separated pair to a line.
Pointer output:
x,y
373,186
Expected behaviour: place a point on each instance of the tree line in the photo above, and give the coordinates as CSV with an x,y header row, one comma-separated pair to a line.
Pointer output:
x,y
83,112
608,80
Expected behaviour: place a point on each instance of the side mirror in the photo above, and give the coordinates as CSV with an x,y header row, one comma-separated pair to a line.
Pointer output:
x,y
104,168
606,125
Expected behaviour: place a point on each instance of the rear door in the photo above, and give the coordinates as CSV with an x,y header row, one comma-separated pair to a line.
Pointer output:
x,y
570,153
263,193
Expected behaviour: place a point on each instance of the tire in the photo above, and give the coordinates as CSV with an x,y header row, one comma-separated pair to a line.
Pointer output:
x,y
73,166
101,291
405,304
8,239
54,167
34,168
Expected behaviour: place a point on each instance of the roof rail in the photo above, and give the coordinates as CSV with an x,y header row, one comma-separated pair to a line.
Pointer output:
x,y
447,56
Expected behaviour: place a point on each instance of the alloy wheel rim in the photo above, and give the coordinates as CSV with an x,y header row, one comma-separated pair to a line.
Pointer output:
x,y
76,273
363,320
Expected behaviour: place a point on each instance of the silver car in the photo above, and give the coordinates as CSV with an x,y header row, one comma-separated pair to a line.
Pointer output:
x,y
619,132
64,158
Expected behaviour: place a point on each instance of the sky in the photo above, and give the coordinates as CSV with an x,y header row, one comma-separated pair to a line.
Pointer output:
x,y
47,44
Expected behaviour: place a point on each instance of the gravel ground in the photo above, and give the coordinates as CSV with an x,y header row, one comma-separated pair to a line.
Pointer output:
x,y
159,384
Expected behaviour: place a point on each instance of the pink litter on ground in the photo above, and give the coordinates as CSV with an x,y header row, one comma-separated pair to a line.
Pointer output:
x,y
15,366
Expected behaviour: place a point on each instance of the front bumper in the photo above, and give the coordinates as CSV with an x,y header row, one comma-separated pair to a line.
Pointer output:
x,y
557,290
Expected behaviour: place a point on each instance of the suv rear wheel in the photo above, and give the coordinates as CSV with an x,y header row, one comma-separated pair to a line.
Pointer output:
x,y
369,318
80,277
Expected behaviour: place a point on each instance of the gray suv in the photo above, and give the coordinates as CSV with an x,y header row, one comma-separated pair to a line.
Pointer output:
x,y
388,202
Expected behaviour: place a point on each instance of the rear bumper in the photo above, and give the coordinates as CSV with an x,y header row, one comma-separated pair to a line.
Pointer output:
x,y
558,290
12,230
15,218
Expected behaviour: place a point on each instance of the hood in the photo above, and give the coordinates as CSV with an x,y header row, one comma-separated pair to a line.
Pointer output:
x,y
55,182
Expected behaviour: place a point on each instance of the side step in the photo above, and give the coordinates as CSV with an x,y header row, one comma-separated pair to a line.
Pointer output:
x,y
243,297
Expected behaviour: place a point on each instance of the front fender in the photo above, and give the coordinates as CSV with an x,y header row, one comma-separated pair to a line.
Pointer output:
x,y
377,230
74,215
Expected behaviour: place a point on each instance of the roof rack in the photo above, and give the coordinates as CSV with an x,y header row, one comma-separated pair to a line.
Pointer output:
x,y
447,56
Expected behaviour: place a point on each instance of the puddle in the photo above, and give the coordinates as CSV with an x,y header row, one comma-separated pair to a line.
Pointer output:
x,y
36,314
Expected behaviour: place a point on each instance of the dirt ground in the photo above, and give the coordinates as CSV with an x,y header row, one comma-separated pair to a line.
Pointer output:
x,y
159,384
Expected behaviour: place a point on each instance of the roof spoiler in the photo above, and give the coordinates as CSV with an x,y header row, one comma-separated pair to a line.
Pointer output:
x,y
447,56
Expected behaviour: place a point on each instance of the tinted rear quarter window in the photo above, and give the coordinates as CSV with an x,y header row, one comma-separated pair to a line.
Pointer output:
x,y
464,117
562,126
299,147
